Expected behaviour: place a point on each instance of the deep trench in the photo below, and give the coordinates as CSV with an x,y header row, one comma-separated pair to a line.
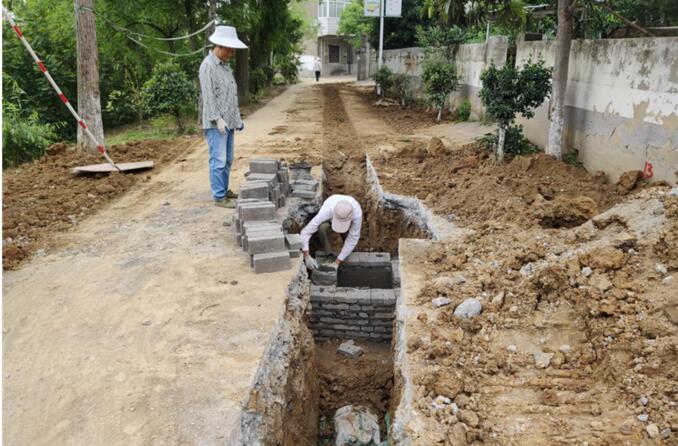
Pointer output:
x,y
368,380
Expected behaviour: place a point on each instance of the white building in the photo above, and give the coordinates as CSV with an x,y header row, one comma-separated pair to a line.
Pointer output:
x,y
336,54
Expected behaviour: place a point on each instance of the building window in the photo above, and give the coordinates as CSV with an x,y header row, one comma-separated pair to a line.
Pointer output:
x,y
331,8
334,53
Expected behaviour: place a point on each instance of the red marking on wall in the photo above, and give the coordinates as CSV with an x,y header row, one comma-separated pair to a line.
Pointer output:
x,y
648,171
82,124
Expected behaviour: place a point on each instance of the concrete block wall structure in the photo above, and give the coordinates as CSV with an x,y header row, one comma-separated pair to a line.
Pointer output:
x,y
255,224
357,310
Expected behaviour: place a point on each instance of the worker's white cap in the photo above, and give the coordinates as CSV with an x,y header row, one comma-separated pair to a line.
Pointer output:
x,y
226,36
341,219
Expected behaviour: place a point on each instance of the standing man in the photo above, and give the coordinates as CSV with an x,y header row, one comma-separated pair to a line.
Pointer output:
x,y
220,112
343,215
317,67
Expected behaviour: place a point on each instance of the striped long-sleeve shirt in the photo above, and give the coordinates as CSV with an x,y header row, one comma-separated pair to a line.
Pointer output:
x,y
219,93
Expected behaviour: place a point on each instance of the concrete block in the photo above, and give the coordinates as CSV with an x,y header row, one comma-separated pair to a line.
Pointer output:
x,y
270,178
294,253
374,335
382,297
335,306
395,268
367,328
324,275
361,335
271,262
379,329
238,240
255,189
303,194
266,242
322,294
255,225
310,186
386,316
264,165
257,211
237,225
293,241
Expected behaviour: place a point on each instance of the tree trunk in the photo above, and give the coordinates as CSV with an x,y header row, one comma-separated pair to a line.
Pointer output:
x,y
500,145
440,113
242,73
190,22
180,123
556,139
89,101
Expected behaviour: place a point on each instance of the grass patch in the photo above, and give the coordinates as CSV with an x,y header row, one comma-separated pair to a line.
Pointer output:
x,y
162,127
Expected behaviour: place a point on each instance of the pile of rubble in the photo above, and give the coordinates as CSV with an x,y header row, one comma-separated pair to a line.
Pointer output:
x,y
255,226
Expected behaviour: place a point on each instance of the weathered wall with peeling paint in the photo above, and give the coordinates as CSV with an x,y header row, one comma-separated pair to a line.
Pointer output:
x,y
621,106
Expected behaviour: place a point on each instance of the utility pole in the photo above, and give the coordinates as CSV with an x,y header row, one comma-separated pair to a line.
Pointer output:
x,y
89,95
381,33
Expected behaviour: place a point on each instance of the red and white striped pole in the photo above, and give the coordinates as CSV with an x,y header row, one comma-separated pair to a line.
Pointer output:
x,y
62,96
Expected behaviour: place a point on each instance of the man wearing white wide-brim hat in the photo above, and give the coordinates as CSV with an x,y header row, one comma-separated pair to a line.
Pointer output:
x,y
220,112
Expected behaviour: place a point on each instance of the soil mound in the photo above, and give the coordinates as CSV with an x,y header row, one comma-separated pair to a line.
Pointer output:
x,y
43,197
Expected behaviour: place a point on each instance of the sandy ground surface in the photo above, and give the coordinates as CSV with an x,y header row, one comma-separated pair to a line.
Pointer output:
x,y
146,325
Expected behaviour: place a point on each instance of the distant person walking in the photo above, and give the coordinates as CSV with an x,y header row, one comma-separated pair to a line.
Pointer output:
x,y
220,112
317,67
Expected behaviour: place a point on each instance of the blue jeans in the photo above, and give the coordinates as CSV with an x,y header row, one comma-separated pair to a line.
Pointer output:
x,y
221,158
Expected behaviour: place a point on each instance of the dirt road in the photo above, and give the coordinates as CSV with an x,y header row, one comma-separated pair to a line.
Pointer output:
x,y
147,325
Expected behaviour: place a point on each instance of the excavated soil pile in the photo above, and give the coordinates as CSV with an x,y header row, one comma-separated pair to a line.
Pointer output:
x,y
406,119
576,342
466,185
43,197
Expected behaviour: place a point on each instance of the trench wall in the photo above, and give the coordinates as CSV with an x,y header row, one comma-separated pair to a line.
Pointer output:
x,y
621,106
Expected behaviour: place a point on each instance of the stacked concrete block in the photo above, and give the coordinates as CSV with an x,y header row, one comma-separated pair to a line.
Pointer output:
x,y
254,223
367,269
306,189
352,313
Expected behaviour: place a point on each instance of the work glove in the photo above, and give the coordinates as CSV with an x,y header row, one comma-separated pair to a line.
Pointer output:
x,y
241,128
221,125
310,262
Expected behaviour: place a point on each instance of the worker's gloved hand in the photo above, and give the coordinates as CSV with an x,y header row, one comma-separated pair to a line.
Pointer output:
x,y
310,262
241,128
221,125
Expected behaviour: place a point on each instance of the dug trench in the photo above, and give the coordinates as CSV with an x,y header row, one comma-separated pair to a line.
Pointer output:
x,y
303,379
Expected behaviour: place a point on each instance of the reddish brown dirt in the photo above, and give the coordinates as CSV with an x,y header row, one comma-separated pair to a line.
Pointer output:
x,y
363,381
619,326
406,119
466,185
43,197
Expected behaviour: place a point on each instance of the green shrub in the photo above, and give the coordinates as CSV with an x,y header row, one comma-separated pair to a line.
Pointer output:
x,y
440,79
384,79
515,143
168,91
464,110
508,91
24,138
288,68
278,79
572,158
401,87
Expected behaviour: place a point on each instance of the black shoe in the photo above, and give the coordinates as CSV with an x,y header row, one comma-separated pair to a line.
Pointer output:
x,y
231,194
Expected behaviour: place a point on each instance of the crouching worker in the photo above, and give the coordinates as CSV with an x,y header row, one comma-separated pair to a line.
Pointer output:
x,y
341,214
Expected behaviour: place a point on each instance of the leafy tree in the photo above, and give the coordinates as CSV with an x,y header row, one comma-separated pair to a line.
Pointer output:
x,y
440,79
401,86
168,91
353,25
508,91
384,79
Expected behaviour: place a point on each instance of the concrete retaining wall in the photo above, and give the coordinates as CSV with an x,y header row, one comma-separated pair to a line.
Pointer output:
x,y
621,105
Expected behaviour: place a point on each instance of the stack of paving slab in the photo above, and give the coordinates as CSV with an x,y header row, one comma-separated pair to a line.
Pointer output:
x,y
305,188
255,226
